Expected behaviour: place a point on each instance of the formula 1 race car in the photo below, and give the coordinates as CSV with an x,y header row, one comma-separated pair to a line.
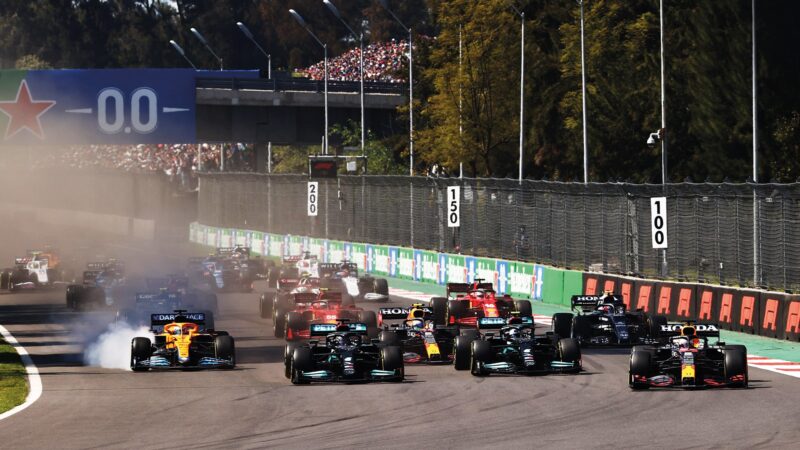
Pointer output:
x,y
344,277
604,320
30,272
292,268
149,303
102,286
419,336
478,299
282,298
226,274
325,307
182,341
253,268
686,359
515,349
347,355
190,297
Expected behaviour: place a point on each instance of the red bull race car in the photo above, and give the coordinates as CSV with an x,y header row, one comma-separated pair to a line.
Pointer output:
x,y
418,334
686,359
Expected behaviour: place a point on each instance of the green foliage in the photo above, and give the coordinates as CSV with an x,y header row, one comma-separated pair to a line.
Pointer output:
x,y
13,382
31,62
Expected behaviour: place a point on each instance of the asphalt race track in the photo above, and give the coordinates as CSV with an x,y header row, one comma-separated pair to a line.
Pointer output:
x,y
254,406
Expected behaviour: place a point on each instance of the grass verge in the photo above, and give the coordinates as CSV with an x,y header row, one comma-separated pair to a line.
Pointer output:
x,y
13,378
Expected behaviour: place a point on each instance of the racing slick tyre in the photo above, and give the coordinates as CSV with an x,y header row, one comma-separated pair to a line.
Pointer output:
x,y
225,348
5,279
302,361
461,352
392,359
279,323
735,363
641,366
439,307
141,349
380,286
294,322
582,329
74,292
524,307
288,351
371,320
456,309
570,351
389,338
562,324
265,306
272,277
481,352
654,324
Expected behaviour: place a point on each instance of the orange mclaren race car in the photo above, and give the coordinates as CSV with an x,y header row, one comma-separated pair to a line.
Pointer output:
x,y
181,341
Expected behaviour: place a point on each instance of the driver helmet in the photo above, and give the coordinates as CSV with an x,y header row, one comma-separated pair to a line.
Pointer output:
x,y
511,333
415,323
337,340
606,308
176,331
479,294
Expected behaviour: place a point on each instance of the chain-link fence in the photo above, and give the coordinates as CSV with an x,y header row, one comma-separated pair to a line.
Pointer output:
x,y
598,227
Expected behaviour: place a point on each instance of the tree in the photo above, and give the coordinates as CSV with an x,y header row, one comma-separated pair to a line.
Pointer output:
x,y
482,84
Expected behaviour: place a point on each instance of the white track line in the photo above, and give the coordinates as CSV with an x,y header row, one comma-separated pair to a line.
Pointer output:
x,y
774,365
34,380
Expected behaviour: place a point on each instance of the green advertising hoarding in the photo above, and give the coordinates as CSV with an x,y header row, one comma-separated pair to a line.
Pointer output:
x,y
405,263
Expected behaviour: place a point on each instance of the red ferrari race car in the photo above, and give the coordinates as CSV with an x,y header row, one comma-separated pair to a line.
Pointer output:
x,y
467,302
323,307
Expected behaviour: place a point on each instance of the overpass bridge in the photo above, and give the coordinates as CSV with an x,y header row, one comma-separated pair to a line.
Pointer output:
x,y
289,110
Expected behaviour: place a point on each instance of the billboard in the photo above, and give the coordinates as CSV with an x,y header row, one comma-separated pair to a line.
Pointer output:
x,y
97,106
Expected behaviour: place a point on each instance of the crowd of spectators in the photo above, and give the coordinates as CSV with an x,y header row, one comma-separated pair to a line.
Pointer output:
x,y
383,61
179,162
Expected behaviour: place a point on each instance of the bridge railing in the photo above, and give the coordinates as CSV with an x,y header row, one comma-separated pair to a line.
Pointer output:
x,y
595,226
300,85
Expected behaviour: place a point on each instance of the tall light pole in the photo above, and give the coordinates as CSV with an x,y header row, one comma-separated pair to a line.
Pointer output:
x,y
303,24
243,28
663,100
583,103
180,51
205,43
385,4
755,147
521,87
663,124
360,38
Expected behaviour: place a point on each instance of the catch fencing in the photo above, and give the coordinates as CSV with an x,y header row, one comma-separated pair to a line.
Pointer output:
x,y
603,227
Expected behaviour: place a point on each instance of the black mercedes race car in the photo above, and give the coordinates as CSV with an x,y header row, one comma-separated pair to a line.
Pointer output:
x,y
418,334
685,358
604,320
346,355
514,349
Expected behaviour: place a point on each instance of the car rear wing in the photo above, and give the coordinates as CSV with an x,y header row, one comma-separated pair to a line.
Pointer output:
x,y
494,323
159,320
401,313
154,283
144,298
90,275
331,296
287,284
585,302
700,329
324,329
331,268
463,288
19,261
305,297
97,266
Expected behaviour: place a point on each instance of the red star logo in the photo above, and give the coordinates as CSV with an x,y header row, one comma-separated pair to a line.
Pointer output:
x,y
24,112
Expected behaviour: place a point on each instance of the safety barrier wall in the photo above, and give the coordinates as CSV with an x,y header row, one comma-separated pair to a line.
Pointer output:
x,y
764,313
534,281
769,314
